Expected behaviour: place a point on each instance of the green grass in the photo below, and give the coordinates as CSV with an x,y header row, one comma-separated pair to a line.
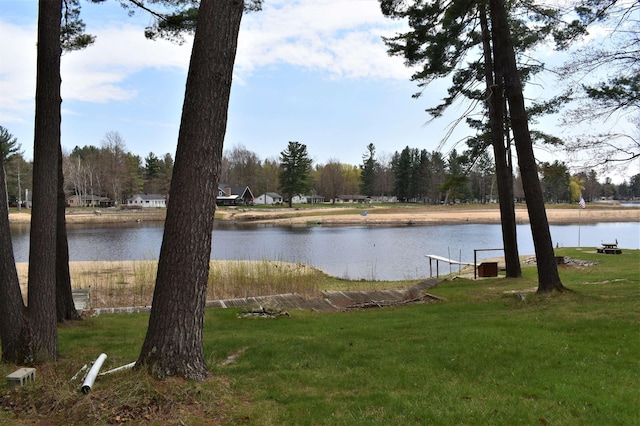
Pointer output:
x,y
482,357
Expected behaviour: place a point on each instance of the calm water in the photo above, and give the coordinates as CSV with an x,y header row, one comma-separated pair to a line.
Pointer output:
x,y
356,252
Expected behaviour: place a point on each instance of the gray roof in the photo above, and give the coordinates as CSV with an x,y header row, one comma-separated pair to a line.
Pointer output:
x,y
148,196
235,189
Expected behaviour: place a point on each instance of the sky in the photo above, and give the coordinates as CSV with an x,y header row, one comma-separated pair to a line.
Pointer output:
x,y
312,71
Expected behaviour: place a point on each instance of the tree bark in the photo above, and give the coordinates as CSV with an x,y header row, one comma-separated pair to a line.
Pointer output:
x,y
65,308
173,345
14,326
548,277
504,173
42,252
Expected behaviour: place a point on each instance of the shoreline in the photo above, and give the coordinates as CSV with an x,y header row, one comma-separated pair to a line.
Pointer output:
x,y
360,215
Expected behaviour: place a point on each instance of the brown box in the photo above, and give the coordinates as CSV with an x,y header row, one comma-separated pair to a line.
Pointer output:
x,y
488,269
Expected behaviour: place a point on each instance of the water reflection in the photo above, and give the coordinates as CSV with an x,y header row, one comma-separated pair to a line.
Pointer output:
x,y
356,252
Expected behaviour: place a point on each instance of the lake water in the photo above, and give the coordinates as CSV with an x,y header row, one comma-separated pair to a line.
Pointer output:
x,y
355,252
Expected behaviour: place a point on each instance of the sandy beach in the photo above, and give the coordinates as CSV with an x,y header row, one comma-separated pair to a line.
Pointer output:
x,y
428,215
366,215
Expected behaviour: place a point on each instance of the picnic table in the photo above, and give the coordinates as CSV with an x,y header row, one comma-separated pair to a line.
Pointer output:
x,y
610,248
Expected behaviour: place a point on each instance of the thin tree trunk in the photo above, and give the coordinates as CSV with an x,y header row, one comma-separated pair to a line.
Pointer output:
x,y
42,251
14,326
65,308
504,175
548,277
173,345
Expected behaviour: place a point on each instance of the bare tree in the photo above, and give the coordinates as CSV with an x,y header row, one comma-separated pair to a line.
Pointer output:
x,y
242,166
351,179
384,176
114,164
65,306
331,180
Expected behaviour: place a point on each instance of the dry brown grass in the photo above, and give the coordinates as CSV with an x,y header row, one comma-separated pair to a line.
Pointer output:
x,y
131,283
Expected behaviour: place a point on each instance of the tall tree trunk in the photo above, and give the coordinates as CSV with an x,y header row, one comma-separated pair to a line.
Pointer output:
x,y
504,174
14,326
65,308
173,345
42,251
548,277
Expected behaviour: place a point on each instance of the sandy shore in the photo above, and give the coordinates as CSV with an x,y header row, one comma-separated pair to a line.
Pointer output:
x,y
370,215
429,216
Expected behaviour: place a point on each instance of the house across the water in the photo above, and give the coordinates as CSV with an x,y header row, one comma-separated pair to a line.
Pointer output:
x,y
147,200
269,198
229,195
307,199
89,201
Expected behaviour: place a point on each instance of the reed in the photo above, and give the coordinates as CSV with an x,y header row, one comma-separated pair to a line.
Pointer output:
x,y
131,283
239,278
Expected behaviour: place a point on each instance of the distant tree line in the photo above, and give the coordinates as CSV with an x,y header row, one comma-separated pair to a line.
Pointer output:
x,y
412,175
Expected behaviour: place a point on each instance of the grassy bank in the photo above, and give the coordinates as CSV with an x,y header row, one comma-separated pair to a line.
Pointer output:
x,y
493,353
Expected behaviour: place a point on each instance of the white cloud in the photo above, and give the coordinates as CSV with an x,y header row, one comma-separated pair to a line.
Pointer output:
x,y
17,72
97,74
337,38
94,74
341,38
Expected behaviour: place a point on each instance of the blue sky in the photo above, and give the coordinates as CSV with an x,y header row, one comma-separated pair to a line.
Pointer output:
x,y
313,71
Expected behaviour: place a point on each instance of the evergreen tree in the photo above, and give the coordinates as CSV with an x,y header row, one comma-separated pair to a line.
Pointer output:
x,y
401,167
369,169
295,171
8,144
556,181
14,323
440,41
8,147
173,345
548,277
42,244
456,178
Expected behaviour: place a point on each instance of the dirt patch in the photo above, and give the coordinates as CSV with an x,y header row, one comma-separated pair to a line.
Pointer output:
x,y
564,261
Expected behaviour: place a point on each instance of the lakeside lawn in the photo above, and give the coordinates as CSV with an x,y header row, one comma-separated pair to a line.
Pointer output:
x,y
484,356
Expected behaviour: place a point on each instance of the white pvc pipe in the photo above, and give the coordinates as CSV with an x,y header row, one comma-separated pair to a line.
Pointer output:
x,y
92,374
84,367
124,367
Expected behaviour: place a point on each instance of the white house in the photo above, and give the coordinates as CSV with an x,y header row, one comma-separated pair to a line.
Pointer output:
x,y
307,199
270,198
352,198
147,200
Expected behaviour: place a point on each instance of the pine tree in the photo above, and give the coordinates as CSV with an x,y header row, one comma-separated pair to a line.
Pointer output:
x,y
295,175
173,345
441,39
368,174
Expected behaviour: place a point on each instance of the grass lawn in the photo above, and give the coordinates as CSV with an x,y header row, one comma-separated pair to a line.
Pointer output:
x,y
484,356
